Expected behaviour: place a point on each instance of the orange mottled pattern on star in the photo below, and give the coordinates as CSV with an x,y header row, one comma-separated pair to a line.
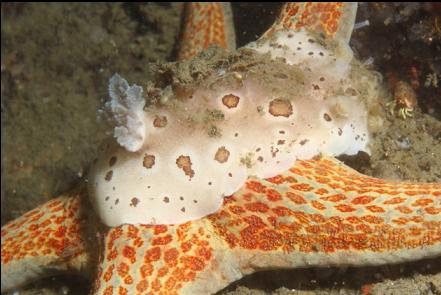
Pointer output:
x,y
322,17
51,231
323,206
153,259
316,209
205,25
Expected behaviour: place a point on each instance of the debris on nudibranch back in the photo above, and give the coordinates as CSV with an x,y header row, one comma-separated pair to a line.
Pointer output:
x,y
176,160
327,57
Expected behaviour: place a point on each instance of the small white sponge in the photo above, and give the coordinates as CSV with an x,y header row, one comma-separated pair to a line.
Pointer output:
x,y
193,151
126,104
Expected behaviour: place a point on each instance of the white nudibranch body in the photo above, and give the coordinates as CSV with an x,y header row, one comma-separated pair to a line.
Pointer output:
x,y
176,162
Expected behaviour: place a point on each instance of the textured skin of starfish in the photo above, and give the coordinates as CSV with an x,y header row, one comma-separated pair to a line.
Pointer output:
x,y
319,213
206,24
331,19
46,240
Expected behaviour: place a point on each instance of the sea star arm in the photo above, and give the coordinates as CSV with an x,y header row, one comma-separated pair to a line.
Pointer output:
x,y
46,240
319,213
206,23
331,19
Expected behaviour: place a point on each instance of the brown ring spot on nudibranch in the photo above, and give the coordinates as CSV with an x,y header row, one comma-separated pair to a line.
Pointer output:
x,y
230,100
160,121
112,161
166,199
280,107
184,163
109,175
149,161
134,202
327,117
222,155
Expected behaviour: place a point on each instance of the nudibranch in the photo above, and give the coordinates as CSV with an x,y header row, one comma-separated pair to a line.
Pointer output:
x,y
233,173
300,95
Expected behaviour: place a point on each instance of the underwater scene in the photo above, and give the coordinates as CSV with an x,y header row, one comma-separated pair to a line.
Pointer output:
x,y
216,148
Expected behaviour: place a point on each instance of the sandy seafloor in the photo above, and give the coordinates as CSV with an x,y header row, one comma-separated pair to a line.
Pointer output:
x,y
56,60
